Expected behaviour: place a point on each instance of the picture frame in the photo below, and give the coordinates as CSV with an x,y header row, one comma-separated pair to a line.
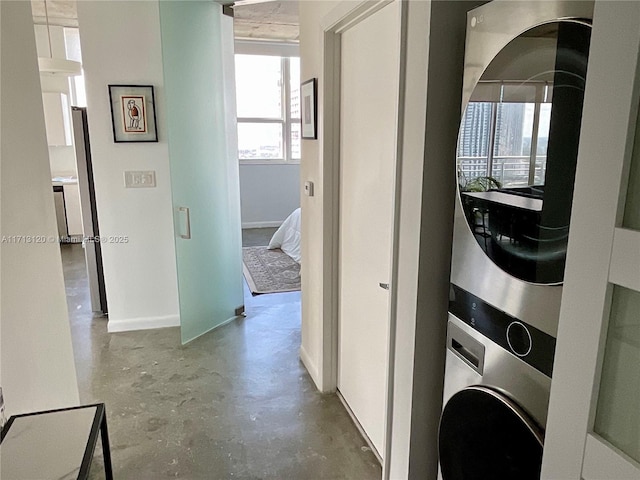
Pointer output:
x,y
309,109
133,113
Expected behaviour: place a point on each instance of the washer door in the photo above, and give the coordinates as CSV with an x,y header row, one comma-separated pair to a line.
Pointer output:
x,y
485,435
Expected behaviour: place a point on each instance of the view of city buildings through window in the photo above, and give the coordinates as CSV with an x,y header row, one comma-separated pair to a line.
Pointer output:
x,y
268,103
506,139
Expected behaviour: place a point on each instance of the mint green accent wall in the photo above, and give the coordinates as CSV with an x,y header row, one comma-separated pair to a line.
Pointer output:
x,y
197,49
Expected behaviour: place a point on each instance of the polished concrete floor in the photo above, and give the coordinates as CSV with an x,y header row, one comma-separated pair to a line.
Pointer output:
x,y
235,403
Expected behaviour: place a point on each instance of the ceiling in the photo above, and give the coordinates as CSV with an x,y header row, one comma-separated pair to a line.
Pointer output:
x,y
277,20
256,19
61,12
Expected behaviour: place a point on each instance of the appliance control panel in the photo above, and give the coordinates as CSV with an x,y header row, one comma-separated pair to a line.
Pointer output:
x,y
531,345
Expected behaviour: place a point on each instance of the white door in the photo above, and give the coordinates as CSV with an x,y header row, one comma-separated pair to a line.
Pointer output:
x,y
593,429
369,112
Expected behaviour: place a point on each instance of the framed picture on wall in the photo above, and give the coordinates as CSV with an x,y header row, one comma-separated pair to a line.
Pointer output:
x,y
133,113
308,109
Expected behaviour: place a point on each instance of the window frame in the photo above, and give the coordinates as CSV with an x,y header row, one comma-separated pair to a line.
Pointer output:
x,y
285,51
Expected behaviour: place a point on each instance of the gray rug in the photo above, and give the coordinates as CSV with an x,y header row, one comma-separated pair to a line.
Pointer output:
x,y
270,271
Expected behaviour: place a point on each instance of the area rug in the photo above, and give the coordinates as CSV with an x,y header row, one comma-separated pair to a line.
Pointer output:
x,y
270,271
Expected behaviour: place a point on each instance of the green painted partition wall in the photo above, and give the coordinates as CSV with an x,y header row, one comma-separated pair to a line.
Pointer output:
x,y
197,53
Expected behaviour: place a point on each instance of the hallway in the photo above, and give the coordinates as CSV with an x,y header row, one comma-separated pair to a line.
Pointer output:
x,y
235,403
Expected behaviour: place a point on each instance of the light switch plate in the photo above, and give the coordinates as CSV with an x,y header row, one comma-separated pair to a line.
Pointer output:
x,y
308,189
140,179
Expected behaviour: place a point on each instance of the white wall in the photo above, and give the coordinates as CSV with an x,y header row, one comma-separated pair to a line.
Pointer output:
x,y
57,41
268,193
1,197
62,160
38,370
313,221
140,276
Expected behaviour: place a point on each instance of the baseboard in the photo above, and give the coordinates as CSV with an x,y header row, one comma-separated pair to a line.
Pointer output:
x,y
145,323
261,224
356,422
311,368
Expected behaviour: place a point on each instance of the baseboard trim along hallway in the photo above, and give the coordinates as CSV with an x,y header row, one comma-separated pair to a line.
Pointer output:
x,y
144,323
310,366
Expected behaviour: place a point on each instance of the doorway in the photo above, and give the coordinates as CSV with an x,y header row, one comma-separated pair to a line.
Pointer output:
x,y
267,80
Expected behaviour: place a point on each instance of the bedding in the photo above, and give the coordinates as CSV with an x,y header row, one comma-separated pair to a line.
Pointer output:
x,y
287,237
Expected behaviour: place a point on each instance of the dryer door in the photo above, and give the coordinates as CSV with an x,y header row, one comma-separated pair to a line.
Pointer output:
x,y
518,147
485,435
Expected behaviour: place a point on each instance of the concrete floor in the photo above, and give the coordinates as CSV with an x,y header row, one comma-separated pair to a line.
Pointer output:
x,y
235,403
257,237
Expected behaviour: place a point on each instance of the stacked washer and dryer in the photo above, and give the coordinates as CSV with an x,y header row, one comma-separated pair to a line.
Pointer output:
x,y
524,77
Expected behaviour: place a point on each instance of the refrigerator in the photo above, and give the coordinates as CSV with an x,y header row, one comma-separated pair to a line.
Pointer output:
x,y
91,239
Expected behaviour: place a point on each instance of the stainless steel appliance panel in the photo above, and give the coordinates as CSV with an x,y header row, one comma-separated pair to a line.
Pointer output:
x,y
507,373
489,29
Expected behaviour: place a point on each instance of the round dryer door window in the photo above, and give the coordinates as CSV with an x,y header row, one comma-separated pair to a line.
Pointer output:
x,y
518,146
485,435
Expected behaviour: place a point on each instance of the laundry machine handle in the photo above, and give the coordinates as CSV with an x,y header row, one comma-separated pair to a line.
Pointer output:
x,y
467,348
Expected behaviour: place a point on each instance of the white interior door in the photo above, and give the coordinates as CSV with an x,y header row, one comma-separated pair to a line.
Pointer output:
x,y
369,111
593,429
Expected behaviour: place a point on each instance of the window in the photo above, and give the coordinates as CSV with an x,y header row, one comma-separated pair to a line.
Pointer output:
x,y
268,103
505,131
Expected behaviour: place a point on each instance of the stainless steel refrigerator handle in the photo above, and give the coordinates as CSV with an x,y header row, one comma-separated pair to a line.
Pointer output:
x,y
187,235
384,286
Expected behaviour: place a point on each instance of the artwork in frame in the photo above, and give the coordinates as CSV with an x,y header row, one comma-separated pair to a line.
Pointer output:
x,y
309,106
133,113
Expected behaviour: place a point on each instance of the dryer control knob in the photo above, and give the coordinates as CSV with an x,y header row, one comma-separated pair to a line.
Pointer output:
x,y
519,339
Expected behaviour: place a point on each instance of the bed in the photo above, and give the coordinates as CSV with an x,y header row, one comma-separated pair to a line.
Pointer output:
x,y
287,237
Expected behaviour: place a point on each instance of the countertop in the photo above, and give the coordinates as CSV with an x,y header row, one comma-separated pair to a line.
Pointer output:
x,y
64,180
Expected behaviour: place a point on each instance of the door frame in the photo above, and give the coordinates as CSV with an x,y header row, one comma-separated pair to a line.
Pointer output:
x,y
339,20
572,450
